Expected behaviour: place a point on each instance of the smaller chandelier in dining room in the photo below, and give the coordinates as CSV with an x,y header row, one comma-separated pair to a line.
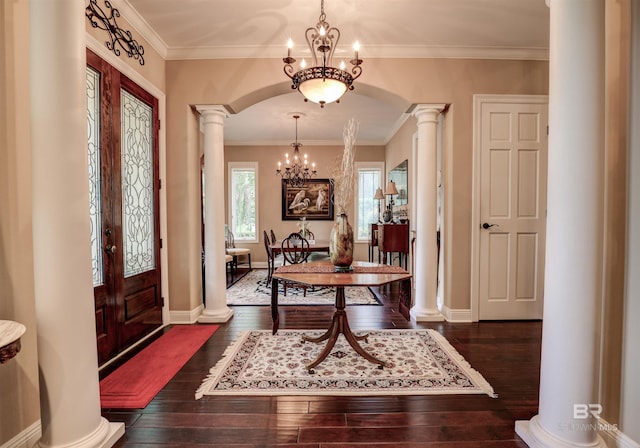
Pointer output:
x,y
296,170
322,83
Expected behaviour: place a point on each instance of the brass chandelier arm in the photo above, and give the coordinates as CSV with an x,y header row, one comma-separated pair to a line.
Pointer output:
x,y
356,71
289,71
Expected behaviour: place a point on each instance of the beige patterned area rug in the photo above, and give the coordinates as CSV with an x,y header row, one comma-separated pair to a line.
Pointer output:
x,y
252,289
419,362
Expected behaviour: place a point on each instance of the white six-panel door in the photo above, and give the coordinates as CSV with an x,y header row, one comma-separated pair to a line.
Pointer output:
x,y
512,209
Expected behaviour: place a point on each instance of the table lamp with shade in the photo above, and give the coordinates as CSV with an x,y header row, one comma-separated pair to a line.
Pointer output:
x,y
390,190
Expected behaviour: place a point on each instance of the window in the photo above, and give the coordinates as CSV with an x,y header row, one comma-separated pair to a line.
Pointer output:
x,y
243,200
369,179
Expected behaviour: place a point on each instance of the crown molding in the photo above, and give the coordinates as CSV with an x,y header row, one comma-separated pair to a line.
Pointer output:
x,y
373,51
305,143
132,16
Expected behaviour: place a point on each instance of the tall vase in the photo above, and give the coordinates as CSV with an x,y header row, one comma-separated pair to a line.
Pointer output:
x,y
341,244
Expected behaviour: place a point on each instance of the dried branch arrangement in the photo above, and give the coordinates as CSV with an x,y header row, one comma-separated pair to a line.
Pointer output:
x,y
344,176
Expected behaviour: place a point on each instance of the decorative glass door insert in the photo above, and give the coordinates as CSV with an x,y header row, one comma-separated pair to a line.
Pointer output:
x,y
137,185
95,209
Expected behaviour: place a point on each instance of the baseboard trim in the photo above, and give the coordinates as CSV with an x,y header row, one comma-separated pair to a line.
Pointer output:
x,y
456,315
27,438
31,435
186,317
610,435
613,437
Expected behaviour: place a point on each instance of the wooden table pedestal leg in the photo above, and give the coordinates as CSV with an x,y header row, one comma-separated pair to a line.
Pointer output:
x,y
340,324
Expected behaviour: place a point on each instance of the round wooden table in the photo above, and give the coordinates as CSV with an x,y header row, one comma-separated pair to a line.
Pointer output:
x,y
322,273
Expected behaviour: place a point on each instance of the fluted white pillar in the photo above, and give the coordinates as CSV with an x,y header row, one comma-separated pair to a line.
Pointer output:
x,y
63,281
215,277
572,294
426,249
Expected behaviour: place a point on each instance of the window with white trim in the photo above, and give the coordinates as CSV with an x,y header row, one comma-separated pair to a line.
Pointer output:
x,y
370,177
243,201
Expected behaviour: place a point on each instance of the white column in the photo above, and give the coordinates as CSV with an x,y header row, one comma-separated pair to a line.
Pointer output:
x,y
426,249
63,283
572,294
215,278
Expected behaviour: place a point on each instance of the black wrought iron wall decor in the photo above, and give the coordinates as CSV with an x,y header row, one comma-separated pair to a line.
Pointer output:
x,y
120,39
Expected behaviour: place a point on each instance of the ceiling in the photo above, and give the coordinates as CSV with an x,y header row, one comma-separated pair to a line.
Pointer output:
x,y
188,29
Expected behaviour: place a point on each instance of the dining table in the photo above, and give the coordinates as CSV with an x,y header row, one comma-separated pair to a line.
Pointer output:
x,y
323,273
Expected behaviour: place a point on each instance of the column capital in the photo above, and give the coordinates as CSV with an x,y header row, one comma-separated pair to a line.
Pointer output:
x,y
428,112
212,112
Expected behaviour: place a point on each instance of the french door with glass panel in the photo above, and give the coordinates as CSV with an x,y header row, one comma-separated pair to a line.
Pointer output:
x,y
124,196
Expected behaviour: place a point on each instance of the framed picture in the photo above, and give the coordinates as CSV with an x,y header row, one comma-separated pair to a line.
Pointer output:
x,y
314,200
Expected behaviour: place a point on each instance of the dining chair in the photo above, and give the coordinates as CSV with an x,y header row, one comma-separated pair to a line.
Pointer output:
x,y
277,259
295,250
235,252
270,258
228,260
315,256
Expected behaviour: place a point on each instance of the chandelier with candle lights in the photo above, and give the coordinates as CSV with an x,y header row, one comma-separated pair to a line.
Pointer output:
x,y
322,83
296,170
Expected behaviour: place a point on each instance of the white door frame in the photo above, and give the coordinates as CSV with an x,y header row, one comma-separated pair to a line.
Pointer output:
x,y
478,101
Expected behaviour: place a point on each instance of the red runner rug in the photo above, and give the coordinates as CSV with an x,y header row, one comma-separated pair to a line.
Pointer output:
x,y
135,383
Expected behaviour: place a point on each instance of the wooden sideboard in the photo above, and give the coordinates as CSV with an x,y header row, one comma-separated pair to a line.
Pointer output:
x,y
393,239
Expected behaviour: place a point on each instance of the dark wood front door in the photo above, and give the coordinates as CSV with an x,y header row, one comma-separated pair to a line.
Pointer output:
x,y
124,198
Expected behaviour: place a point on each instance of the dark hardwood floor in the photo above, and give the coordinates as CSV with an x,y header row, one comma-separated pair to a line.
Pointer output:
x,y
507,354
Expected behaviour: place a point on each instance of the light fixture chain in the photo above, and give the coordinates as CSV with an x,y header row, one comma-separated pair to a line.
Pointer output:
x,y
322,83
296,169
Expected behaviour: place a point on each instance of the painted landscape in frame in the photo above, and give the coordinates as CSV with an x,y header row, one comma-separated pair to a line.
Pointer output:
x,y
313,201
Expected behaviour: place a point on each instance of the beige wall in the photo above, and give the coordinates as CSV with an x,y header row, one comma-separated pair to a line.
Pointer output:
x,y
270,188
617,115
19,377
239,83
400,147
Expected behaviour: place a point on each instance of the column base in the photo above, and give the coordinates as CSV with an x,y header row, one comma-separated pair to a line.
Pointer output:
x,y
215,316
427,315
116,431
105,436
535,436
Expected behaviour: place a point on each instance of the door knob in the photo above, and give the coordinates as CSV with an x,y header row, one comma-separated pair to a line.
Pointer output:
x,y
486,225
110,248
